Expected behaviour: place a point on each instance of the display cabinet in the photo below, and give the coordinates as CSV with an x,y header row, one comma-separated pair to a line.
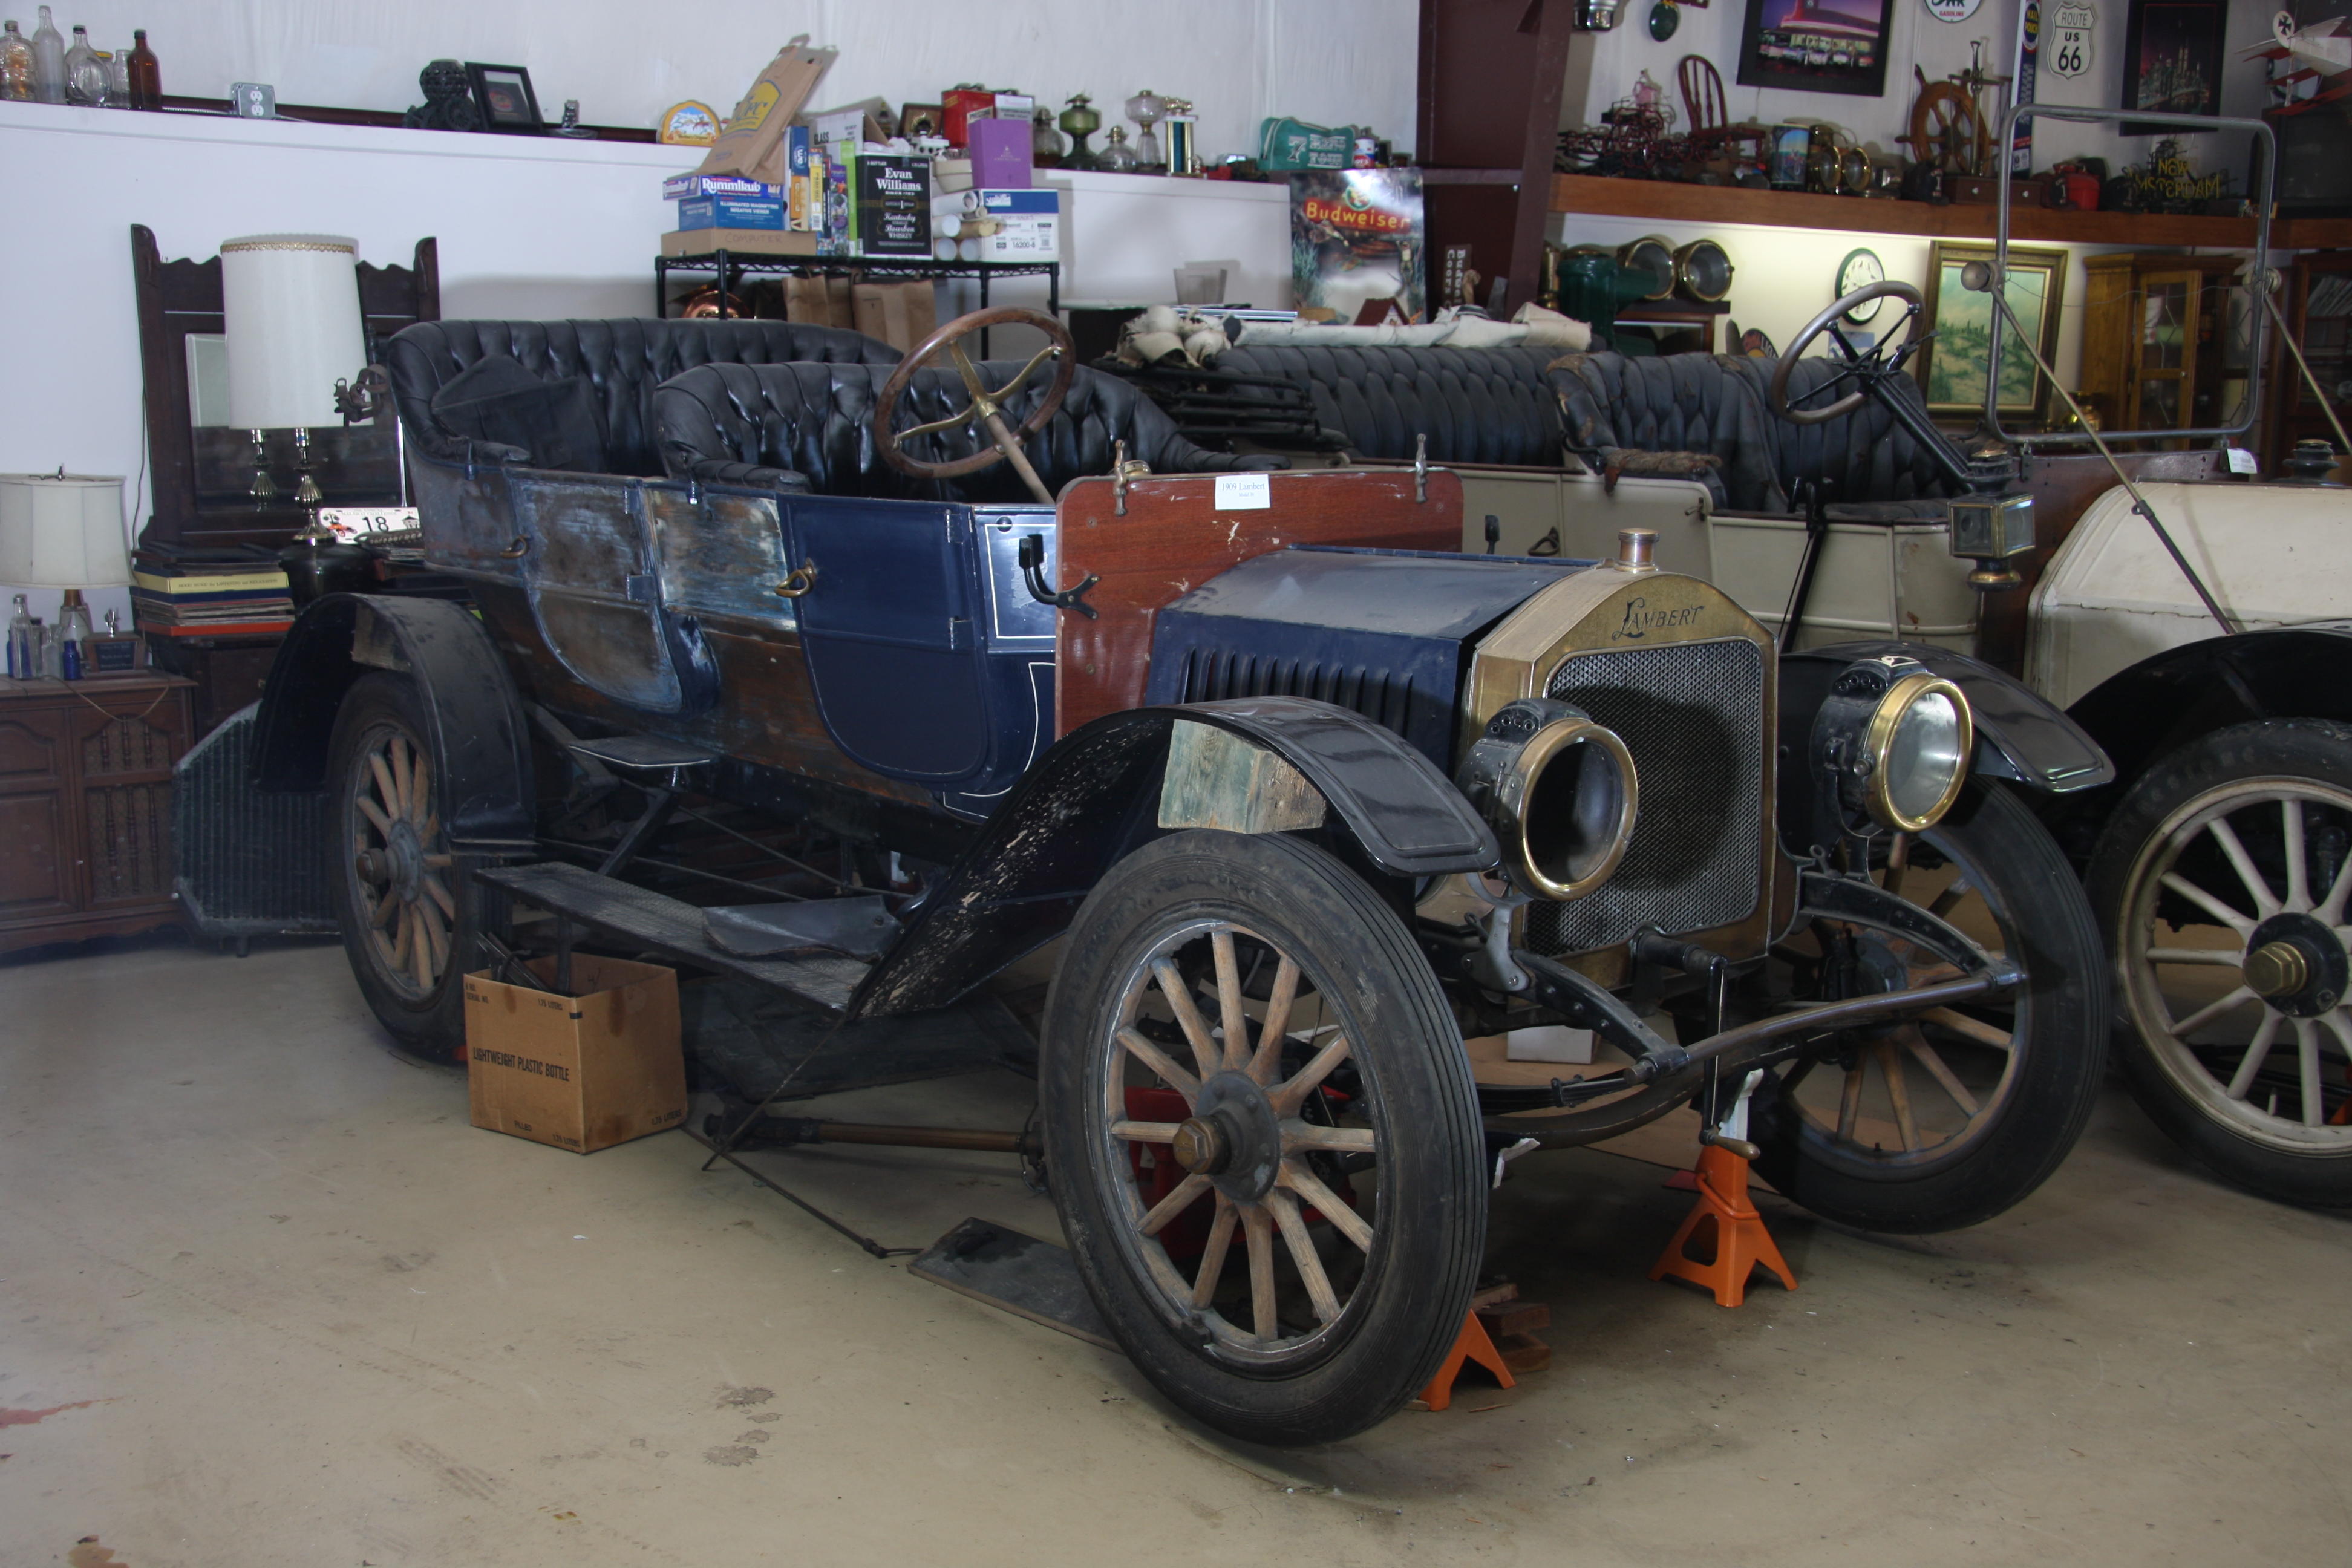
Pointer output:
x,y
2317,305
2155,344
85,806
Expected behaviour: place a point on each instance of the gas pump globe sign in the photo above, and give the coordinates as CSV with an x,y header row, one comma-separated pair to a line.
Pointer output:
x,y
1953,10
2068,53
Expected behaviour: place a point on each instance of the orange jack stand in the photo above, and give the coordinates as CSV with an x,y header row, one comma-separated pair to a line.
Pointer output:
x,y
1472,1344
1741,1242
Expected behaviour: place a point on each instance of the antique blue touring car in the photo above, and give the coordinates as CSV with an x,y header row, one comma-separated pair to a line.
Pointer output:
x,y
1324,815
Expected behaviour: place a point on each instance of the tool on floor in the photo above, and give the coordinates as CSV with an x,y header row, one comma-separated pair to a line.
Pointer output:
x,y
1741,1241
1499,1335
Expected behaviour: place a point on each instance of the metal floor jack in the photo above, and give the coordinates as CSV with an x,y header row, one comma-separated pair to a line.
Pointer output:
x,y
1741,1241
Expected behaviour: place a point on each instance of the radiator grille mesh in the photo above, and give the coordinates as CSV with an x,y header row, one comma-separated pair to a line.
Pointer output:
x,y
245,863
1692,714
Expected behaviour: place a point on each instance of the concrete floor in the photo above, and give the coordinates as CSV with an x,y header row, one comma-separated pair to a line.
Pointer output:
x,y
266,1298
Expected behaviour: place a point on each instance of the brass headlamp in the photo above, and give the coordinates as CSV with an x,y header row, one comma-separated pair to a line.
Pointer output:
x,y
1560,793
1892,746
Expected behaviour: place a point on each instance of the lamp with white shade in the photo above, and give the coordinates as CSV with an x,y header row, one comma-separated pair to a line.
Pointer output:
x,y
63,531
291,306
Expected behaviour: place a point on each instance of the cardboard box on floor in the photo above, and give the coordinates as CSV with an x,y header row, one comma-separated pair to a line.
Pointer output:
x,y
582,1072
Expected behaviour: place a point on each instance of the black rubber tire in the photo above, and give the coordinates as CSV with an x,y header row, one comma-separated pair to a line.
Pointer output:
x,y
1431,1226
2048,929
430,1027
2294,748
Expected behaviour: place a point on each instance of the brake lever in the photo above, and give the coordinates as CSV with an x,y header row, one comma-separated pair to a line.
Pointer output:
x,y
1033,574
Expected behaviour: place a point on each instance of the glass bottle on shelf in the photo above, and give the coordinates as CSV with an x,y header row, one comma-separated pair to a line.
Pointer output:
x,y
146,73
117,78
1118,158
73,636
86,74
16,66
49,61
21,658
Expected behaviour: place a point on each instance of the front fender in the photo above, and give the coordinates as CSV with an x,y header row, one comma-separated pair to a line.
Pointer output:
x,y
2021,737
478,732
1095,797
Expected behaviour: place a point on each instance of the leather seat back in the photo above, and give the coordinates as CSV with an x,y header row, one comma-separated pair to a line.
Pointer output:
x,y
811,427
1476,406
1719,404
623,361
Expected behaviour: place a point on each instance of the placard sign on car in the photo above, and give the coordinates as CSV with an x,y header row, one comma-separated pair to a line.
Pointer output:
x,y
1243,492
2070,47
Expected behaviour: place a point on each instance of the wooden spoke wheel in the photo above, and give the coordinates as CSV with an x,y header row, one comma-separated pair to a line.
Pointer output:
x,y
1950,1115
405,915
987,405
1262,1136
1948,132
2222,882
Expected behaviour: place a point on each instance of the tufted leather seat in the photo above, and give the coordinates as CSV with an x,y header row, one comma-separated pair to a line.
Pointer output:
x,y
811,427
623,360
1717,403
1476,406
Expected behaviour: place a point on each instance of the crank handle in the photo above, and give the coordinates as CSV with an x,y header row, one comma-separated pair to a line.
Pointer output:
x,y
1033,574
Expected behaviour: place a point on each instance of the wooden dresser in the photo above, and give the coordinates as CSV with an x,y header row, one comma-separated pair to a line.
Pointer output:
x,y
85,806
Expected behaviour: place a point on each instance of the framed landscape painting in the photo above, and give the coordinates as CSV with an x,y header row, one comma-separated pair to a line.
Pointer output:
x,y
1952,366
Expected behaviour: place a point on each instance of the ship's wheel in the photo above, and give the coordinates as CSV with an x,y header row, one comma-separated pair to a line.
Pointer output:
x,y
1947,132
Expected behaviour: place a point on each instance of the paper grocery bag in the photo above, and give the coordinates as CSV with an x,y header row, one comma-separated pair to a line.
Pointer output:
x,y
818,302
752,138
900,314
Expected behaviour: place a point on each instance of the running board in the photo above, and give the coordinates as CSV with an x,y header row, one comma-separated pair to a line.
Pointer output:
x,y
671,927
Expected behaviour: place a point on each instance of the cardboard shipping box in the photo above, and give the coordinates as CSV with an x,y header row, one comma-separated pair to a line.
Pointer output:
x,y
581,1072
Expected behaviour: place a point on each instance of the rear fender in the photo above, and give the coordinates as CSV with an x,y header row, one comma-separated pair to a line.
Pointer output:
x,y
479,733
1101,793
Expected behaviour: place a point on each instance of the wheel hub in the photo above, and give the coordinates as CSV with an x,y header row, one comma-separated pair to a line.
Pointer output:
x,y
405,854
2296,964
1239,1132
1201,1147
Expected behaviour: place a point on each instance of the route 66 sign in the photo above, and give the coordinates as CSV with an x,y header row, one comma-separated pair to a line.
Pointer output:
x,y
2068,53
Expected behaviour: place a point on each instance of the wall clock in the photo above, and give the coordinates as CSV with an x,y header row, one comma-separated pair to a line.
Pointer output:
x,y
1860,270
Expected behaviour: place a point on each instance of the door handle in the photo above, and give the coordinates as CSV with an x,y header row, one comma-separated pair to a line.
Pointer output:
x,y
516,551
799,582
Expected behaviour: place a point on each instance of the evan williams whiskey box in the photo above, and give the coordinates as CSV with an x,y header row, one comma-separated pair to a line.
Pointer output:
x,y
890,205
581,1072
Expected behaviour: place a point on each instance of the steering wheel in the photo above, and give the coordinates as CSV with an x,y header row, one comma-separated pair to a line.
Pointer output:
x,y
986,405
1869,367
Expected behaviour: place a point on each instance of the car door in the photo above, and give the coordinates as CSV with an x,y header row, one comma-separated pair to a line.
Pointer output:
x,y
596,598
887,628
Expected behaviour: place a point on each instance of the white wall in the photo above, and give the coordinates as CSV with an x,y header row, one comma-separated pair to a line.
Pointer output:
x,y
1939,49
1329,61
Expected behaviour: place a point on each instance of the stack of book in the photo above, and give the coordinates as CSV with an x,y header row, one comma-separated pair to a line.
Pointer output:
x,y
211,599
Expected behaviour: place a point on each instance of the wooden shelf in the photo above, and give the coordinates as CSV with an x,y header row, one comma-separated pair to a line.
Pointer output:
x,y
1862,215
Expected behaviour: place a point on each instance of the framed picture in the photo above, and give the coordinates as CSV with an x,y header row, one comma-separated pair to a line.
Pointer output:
x,y
922,119
1816,46
1951,366
504,96
2172,60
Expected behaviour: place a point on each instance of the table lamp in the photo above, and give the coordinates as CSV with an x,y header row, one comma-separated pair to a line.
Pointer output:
x,y
63,531
290,304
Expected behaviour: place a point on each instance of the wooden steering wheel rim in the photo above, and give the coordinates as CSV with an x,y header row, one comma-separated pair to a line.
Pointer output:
x,y
1066,368
1777,398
